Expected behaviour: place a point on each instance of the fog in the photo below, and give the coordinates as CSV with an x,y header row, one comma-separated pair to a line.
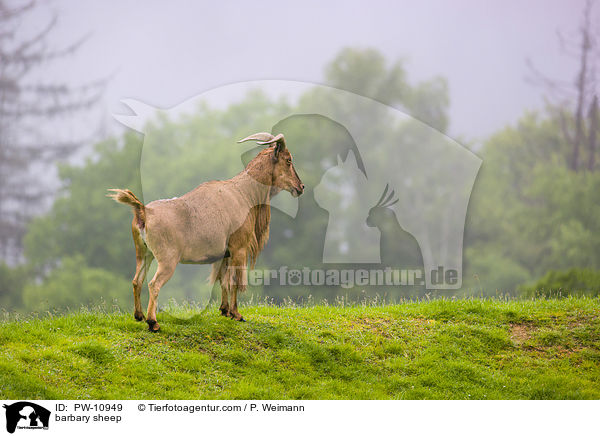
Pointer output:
x,y
163,53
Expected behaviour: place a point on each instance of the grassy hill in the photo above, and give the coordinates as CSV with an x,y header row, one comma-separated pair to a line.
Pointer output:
x,y
464,349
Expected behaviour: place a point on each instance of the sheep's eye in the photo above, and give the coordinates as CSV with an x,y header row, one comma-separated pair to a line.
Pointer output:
x,y
289,161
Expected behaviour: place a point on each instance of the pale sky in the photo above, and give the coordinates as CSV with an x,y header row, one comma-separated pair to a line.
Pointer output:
x,y
164,52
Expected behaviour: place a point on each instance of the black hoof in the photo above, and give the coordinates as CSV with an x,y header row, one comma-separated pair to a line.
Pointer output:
x,y
242,319
138,317
153,326
225,312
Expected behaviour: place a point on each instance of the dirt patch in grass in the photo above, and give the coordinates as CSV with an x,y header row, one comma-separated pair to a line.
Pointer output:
x,y
582,320
520,333
379,326
390,327
567,352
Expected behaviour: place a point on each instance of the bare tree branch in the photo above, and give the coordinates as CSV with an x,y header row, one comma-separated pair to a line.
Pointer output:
x,y
573,125
581,84
7,13
24,108
593,116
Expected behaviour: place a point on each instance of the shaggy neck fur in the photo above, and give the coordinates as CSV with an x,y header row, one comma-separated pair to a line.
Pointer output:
x,y
256,181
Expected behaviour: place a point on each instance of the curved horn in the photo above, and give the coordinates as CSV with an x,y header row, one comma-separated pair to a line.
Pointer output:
x,y
262,136
279,139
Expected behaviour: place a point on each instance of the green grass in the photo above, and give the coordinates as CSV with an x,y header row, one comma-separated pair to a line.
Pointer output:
x,y
464,349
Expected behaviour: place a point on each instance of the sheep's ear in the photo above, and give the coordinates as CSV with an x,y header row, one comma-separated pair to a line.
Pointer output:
x,y
279,147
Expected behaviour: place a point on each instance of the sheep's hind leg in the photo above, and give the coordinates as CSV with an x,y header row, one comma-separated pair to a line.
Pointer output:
x,y
143,259
164,272
138,281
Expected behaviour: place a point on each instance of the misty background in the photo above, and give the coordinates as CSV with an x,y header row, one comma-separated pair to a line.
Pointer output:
x,y
500,78
163,53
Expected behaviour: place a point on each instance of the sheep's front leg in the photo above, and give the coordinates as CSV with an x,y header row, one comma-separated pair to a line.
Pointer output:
x,y
238,279
224,308
233,310
219,272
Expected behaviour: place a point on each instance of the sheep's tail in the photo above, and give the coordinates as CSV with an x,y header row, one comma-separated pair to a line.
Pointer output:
x,y
125,196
